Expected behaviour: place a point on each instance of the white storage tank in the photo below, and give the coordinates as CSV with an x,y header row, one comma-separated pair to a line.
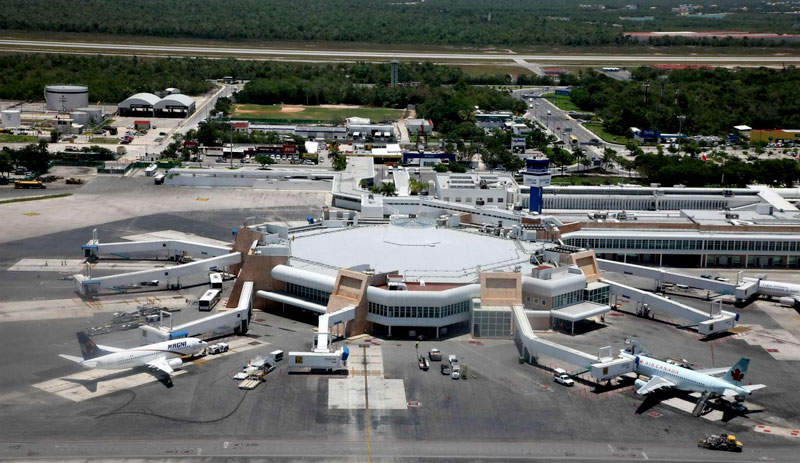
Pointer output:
x,y
79,117
66,98
95,114
11,119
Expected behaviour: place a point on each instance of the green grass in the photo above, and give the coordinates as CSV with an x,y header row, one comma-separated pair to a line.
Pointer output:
x,y
562,102
6,138
34,198
601,132
313,113
585,180
106,141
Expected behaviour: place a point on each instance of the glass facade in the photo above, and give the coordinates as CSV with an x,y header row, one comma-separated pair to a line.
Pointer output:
x,y
418,312
491,323
665,244
563,300
308,293
598,295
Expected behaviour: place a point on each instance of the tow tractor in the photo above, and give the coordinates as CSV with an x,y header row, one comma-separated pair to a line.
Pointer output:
x,y
726,442
423,363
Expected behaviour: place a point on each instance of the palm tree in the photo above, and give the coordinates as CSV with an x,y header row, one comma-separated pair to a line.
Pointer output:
x,y
609,157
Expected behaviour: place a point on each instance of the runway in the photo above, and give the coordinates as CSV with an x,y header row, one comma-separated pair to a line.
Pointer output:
x,y
74,47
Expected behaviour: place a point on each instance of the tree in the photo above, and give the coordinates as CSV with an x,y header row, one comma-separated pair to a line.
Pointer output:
x,y
263,160
609,157
441,168
6,165
339,162
388,189
562,158
54,136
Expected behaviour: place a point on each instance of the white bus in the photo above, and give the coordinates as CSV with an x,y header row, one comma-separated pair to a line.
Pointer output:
x,y
215,279
209,300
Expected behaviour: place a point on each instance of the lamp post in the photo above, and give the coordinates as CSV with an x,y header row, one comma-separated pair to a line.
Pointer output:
x,y
681,118
231,144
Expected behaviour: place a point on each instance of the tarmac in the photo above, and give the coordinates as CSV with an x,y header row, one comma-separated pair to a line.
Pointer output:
x,y
384,408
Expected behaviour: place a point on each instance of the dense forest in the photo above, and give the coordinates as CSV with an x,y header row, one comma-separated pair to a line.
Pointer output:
x,y
689,171
113,78
713,100
516,23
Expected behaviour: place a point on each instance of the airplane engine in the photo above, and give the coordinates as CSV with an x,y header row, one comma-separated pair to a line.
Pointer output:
x,y
639,383
175,363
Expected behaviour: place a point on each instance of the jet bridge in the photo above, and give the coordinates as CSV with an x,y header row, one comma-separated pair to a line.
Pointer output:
x,y
742,292
321,356
710,322
601,366
171,248
88,285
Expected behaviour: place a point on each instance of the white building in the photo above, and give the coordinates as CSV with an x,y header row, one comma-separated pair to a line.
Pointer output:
x,y
477,189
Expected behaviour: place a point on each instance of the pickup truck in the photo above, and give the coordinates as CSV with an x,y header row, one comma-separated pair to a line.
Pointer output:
x,y
560,376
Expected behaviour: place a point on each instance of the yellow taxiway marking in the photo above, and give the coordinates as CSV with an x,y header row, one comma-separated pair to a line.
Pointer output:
x,y
202,199
31,214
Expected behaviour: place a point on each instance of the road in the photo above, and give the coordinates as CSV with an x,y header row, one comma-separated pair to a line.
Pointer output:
x,y
73,47
338,450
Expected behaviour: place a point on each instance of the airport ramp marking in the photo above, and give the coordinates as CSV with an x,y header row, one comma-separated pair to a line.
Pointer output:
x,y
31,214
71,387
778,431
350,393
780,344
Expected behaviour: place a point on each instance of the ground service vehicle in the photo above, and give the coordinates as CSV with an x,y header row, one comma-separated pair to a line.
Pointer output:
x,y
215,279
445,369
423,363
27,184
209,300
435,354
726,442
560,376
218,348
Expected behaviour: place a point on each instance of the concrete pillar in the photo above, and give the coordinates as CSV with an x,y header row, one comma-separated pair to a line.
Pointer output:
x,y
437,332
660,259
390,331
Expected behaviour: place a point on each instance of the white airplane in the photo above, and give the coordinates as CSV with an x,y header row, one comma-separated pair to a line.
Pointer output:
x,y
162,356
665,375
776,289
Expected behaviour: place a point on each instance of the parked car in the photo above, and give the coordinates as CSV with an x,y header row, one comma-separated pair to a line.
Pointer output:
x,y
722,279
706,276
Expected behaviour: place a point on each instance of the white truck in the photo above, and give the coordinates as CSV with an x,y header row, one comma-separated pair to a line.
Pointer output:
x,y
560,376
327,361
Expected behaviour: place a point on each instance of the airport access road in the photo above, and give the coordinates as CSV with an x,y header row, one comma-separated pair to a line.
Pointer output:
x,y
186,50
348,450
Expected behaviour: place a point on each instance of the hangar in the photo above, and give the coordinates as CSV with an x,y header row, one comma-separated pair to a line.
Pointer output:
x,y
141,104
175,105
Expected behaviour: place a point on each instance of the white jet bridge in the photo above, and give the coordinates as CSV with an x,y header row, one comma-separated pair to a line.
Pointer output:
x,y
321,356
708,323
601,366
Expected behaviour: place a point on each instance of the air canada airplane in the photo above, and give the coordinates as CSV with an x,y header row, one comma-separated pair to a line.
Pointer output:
x,y
162,356
665,375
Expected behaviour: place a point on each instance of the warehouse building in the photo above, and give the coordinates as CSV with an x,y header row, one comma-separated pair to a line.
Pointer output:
x,y
174,105
140,104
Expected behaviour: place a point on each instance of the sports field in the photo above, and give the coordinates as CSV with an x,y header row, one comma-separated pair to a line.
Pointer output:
x,y
331,113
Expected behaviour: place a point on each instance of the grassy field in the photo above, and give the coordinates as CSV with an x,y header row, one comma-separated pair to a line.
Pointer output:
x,y
561,101
598,130
312,113
6,138
585,180
105,141
34,198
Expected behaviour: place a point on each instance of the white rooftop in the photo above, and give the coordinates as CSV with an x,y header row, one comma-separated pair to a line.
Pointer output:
x,y
416,250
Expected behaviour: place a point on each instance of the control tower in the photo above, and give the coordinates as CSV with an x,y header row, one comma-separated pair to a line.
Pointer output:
x,y
536,176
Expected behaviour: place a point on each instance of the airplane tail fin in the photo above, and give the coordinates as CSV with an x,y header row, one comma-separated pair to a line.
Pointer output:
x,y
736,373
89,349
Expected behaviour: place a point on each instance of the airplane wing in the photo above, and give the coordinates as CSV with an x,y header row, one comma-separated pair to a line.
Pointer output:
x,y
71,358
160,364
655,383
109,348
713,371
754,387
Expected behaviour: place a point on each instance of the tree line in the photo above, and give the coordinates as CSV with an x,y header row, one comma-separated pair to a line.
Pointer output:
x,y
713,100
466,22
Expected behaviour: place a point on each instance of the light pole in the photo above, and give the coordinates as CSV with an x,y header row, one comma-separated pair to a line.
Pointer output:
x,y
681,118
231,144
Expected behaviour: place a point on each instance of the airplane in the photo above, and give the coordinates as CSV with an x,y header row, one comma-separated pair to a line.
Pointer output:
x,y
162,356
665,375
777,289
